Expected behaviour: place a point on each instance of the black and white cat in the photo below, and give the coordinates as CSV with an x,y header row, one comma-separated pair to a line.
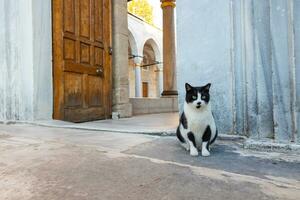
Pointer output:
x,y
197,128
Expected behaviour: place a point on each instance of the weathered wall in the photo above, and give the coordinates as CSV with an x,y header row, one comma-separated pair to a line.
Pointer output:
x,y
248,49
141,106
25,67
203,46
16,62
297,61
42,59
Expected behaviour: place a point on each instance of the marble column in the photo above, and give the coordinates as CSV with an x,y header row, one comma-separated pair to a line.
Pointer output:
x,y
160,80
169,48
138,76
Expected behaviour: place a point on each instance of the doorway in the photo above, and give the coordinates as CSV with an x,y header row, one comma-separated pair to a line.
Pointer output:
x,y
145,89
81,59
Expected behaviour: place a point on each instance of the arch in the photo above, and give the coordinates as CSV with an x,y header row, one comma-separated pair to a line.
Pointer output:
x,y
155,48
132,43
152,51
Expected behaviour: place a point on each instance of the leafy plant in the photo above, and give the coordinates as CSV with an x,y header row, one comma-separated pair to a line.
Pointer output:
x,y
142,9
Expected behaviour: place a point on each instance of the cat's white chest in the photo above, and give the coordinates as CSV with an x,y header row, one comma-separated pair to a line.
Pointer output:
x,y
197,122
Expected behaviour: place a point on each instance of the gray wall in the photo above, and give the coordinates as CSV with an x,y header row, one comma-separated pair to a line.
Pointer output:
x,y
25,60
248,50
297,60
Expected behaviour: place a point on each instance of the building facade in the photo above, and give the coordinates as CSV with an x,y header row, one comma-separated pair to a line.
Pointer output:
x,y
55,56
68,60
144,49
77,61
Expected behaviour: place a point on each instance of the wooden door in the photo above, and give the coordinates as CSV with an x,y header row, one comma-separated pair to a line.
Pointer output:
x,y
81,59
145,89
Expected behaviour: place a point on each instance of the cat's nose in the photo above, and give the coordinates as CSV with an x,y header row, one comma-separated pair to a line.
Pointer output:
x,y
199,103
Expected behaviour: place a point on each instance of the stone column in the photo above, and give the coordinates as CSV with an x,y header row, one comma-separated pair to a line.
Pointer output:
x,y
169,48
138,76
121,106
160,80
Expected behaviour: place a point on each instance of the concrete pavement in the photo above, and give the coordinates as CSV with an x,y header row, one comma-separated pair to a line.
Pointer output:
x,y
59,163
152,124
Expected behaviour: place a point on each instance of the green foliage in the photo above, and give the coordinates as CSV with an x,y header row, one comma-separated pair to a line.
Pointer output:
x,y
142,9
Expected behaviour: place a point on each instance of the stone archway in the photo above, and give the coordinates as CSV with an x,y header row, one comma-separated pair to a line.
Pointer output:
x,y
135,59
149,43
152,70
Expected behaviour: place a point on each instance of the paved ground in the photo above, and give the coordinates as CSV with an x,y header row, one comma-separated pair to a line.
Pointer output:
x,y
55,163
154,124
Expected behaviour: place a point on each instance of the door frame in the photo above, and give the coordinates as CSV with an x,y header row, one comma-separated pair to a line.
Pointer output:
x,y
58,90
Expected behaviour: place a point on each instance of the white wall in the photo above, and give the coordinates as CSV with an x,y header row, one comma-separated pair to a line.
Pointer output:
x,y
248,50
42,59
297,59
25,60
203,53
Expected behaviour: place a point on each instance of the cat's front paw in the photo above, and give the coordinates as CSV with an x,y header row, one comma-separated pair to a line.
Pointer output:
x,y
205,152
193,152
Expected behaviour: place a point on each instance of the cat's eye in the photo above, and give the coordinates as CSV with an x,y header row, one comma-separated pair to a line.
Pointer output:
x,y
203,97
194,97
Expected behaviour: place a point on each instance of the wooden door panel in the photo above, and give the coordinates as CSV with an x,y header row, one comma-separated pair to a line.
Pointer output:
x,y
73,90
77,115
84,18
98,56
85,53
95,91
81,59
69,16
98,21
69,49
81,68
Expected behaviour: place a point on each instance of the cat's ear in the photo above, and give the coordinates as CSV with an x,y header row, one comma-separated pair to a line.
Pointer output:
x,y
188,87
207,87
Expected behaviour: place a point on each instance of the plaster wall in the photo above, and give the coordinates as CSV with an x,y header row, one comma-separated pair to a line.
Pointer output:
x,y
296,19
25,60
42,60
248,50
203,53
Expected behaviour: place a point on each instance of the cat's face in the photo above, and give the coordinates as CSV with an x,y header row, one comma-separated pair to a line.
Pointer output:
x,y
197,96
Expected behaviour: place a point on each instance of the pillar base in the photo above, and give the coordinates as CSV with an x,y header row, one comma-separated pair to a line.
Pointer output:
x,y
169,93
122,110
